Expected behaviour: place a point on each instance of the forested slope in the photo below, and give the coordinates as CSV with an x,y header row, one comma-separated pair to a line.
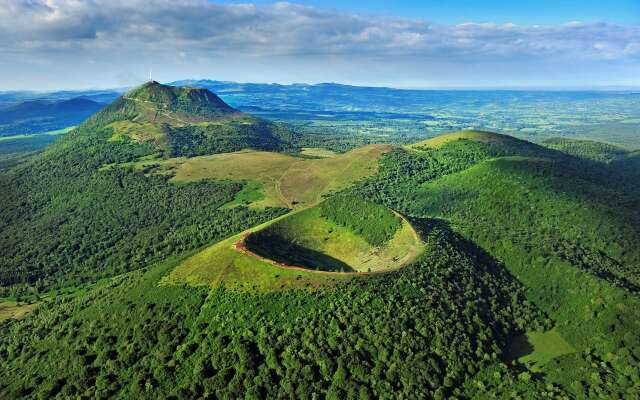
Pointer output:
x,y
417,333
67,220
566,228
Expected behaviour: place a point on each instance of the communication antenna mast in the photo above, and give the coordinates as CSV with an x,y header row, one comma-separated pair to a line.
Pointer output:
x,y
150,80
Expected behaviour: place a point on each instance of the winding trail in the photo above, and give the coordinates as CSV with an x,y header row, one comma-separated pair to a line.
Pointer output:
x,y
156,109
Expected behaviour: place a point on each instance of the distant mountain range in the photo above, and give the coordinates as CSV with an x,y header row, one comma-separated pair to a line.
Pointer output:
x,y
336,108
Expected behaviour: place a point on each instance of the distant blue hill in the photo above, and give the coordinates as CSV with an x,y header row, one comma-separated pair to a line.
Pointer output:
x,y
339,97
34,116
604,115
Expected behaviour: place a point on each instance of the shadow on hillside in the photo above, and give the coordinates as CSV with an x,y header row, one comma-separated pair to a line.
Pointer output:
x,y
480,257
283,251
516,345
520,347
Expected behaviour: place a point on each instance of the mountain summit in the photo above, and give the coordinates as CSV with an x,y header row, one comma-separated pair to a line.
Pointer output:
x,y
191,101
185,121
157,103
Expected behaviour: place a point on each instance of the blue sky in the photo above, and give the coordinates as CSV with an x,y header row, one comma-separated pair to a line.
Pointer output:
x,y
499,11
53,44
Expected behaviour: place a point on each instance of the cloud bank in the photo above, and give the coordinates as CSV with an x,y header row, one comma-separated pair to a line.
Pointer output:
x,y
201,33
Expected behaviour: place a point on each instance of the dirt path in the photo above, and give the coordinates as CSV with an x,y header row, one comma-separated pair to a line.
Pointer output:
x,y
278,184
155,109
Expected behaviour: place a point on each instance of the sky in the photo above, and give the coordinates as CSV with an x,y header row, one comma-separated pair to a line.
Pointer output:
x,y
75,44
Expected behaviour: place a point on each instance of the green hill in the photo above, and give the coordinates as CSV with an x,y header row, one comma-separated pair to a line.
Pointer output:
x,y
67,220
587,149
182,121
567,228
621,165
524,281
488,138
297,250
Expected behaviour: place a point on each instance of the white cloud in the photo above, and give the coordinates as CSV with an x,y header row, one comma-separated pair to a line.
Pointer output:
x,y
289,41
287,28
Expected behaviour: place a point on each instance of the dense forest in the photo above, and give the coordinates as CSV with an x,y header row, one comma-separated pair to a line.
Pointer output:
x,y
233,135
547,216
420,332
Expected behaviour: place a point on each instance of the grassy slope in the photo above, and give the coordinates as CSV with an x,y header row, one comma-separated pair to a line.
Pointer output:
x,y
287,181
318,152
11,309
373,222
223,264
539,348
310,230
141,132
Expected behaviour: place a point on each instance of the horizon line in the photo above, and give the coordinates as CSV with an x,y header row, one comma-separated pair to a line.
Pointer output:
x,y
570,88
